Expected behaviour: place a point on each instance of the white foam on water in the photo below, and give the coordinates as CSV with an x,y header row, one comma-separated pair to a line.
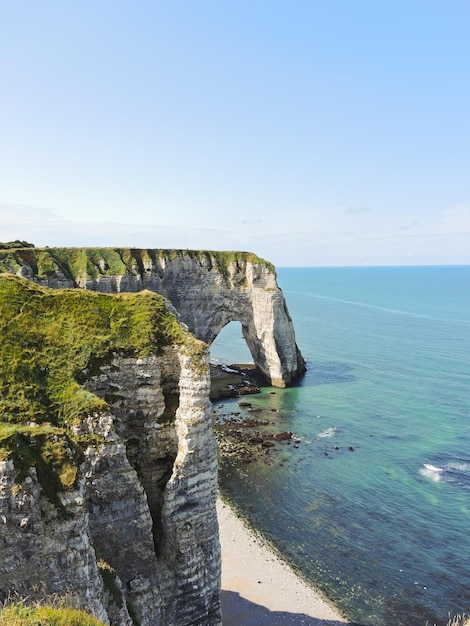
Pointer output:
x,y
459,467
329,432
432,472
301,438
228,369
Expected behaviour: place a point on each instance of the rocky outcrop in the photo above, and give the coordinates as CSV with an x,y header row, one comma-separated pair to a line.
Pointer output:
x,y
208,289
114,506
42,549
108,463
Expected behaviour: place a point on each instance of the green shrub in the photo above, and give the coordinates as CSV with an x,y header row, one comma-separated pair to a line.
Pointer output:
x,y
9,245
20,614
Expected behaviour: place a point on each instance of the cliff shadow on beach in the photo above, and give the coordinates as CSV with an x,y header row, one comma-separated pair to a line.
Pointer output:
x,y
237,610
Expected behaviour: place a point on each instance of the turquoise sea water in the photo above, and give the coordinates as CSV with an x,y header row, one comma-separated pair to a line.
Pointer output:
x,y
383,529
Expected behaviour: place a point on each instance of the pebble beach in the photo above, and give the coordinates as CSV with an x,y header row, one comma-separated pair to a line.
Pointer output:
x,y
258,588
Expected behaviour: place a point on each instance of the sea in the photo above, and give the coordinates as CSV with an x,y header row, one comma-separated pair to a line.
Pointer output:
x,y
372,504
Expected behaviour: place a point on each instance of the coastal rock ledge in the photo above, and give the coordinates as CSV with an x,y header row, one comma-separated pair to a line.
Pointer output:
x,y
208,289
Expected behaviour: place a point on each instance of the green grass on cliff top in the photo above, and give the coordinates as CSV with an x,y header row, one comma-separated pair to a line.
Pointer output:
x,y
89,263
20,614
47,338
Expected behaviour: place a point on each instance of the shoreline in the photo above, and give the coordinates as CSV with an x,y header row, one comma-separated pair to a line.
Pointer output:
x,y
258,587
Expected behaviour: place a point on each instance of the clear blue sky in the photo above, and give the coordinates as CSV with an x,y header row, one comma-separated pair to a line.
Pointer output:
x,y
312,132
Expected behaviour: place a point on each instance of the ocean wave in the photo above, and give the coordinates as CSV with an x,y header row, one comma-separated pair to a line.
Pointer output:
x,y
329,432
453,472
459,467
301,438
432,472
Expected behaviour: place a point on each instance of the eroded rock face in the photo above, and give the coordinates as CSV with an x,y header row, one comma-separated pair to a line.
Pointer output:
x,y
42,550
207,300
208,289
137,538
134,534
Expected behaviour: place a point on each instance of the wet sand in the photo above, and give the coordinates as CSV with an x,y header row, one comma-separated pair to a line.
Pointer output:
x,y
258,588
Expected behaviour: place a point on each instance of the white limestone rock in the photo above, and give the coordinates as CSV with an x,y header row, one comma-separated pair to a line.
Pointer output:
x,y
207,289
137,538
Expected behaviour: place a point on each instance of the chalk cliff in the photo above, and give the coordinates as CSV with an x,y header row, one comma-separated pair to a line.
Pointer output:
x,y
208,290
108,465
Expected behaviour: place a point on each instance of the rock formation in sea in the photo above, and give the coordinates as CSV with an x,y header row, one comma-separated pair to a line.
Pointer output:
x,y
208,289
108,462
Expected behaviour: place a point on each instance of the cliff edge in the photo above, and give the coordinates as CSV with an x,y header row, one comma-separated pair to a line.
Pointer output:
x,y
108,464
208,289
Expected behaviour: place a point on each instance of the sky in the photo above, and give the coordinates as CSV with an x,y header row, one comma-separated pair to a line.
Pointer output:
x,y
311,132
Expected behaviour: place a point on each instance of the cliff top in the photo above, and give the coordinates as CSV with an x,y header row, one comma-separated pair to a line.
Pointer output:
x,y
48,338
8,245
81,263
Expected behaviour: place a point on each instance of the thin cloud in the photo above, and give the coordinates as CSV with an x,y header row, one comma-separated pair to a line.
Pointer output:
x,y
410,226
297,238
23,213
358,209
310,247
456,219
43,228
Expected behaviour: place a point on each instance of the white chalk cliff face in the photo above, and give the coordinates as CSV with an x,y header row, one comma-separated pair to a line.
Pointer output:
x,y
207,289
137,538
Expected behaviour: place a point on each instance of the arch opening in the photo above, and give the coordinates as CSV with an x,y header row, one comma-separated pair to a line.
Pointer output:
x,y
233,369
230,346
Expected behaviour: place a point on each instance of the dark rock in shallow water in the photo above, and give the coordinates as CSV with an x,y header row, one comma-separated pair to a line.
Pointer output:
x,y
246,390
267,444
234,381
283,436
252,422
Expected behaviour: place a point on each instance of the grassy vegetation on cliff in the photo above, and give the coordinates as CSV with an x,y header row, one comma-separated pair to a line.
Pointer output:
x,y
20,614
88,263
15,244
47,338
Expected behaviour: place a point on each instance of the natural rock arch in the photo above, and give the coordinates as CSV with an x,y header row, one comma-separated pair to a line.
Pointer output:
x,y
208,289
207,300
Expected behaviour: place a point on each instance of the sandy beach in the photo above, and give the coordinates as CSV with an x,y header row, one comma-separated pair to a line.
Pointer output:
x,y
258,588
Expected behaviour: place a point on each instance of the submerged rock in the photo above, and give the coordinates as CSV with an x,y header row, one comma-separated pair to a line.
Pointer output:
x,y
283,436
